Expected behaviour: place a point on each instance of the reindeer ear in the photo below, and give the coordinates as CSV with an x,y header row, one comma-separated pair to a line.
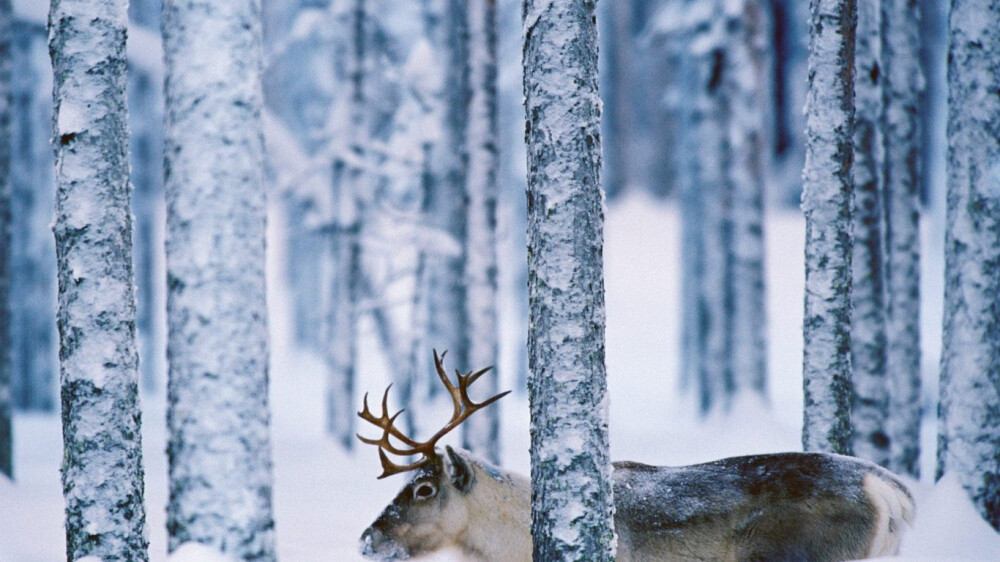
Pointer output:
x,y
459,471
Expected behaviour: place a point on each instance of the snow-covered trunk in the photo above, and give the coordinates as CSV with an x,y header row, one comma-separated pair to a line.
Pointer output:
x,y
618,125
146,125
32,283
340,349
692,266
826,201
969,427
349,180
711,179
102,471
869,407
218,418
902,86
747,90
791,79
446,302
511,213
481,434
6,402
572,505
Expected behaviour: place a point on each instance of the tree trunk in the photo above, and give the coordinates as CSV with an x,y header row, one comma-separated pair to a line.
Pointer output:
x,y
481,434
218,417
903,84
826,201
32,283
572,503
349,184
746,84
714,191
969,427
102,470
446,305
870,405
6,402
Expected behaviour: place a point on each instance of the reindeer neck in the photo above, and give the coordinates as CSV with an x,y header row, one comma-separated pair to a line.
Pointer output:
x,y
500,518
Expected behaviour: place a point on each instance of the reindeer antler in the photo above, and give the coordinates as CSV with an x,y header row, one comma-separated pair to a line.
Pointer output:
x,y
463,408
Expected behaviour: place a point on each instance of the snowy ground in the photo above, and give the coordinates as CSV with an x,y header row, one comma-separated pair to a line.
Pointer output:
x,y
325,497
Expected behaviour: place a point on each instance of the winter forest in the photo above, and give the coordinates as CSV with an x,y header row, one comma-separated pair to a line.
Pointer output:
x,y
238,236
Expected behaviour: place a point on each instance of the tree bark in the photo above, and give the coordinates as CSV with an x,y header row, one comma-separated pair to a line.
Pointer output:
x,y
572,503
446,305
870,405
749,25
903,84
102,472
969,427
481,434
826,201
6,394
218,417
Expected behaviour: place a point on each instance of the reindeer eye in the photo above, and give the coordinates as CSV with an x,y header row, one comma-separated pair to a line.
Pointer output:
x,y
424,490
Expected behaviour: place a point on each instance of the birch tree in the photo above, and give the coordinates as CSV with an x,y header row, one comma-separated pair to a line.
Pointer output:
x,y
217,349
482,434
902,88
6,402
826,201
102,472
870,405
349,177
32,279
572,503
746,85
446,301
969,427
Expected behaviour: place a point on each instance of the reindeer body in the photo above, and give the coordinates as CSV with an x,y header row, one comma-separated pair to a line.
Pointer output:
x,y
781,507
788,506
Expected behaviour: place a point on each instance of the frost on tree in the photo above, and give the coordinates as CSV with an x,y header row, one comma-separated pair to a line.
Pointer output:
x,y
481,434
571,496
32,274
217,349
826,202
102,472
902,86
446,300
969,419
870,405
718,52
746,84
349,186
6,402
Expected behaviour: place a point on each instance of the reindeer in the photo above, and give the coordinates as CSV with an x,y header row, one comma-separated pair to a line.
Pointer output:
x,y
779,507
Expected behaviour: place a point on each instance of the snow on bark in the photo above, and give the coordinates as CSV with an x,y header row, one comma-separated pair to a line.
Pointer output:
x,y
102,472
446,302
826,202
218,417
747,91
902,87
870,405
349,183
572,507
32,279
481,434
6,396
969,424
715,376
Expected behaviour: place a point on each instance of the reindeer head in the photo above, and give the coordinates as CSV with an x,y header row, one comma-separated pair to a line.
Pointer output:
x,y
430,512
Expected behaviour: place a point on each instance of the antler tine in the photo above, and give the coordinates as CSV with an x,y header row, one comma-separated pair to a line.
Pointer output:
x,y
385,423
463,408
389,468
